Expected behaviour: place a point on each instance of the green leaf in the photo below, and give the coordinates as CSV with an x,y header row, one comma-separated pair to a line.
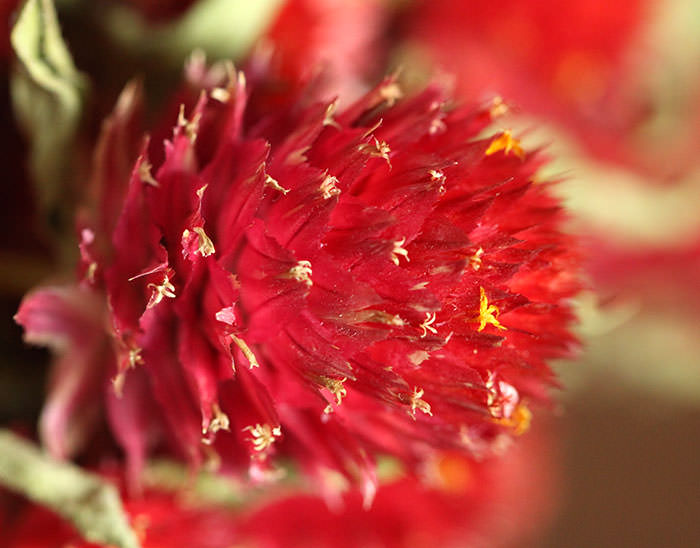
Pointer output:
x,y
48,96
91,504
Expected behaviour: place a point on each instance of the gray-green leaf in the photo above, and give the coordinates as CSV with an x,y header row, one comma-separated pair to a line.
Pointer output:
x,y
91,504
48,96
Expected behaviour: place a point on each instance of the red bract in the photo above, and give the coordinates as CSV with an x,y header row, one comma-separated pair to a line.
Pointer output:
x,y
322,285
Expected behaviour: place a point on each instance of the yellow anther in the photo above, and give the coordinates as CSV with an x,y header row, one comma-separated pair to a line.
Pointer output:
x,y
475,259
158,292
329,117
488,313
90,272
507,144
438,177
519,421
328,188
135,357
399,251
263,436
336,387
145,173
390,92
271,181
417,402
427,325
247,352
190,126
301,272
498,107
379,149
206,246
220,94
437,125
220,421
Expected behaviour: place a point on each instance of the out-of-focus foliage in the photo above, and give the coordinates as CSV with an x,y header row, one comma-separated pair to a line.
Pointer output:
x,y
87,501
48,94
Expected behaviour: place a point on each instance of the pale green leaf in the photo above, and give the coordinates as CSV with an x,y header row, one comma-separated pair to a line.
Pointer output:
x,y
87,501
48,96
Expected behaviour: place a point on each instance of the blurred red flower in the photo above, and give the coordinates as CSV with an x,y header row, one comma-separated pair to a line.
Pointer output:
x,y
338,41
323,285
569,62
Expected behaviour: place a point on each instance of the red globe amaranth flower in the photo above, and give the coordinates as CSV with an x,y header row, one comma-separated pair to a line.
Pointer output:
x,y
458,501
569,62
323,285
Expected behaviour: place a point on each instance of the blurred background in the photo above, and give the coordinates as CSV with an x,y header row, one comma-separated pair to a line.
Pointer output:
x,y
610,90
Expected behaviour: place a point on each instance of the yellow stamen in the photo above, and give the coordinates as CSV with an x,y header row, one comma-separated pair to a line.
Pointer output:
x,y
437,125
519,421
158,292
90,272
145,173
507,144
498,108
190,126
427,325
417,402
488,313
263,436
301,272
206,246
379,150
220,421
390,92
475,260
271,181
135,357
439,178
399,250
328,188
336,387
329,117
247,352
220,94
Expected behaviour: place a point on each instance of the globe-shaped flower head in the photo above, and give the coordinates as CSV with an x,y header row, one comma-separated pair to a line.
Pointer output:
x,y
321,283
